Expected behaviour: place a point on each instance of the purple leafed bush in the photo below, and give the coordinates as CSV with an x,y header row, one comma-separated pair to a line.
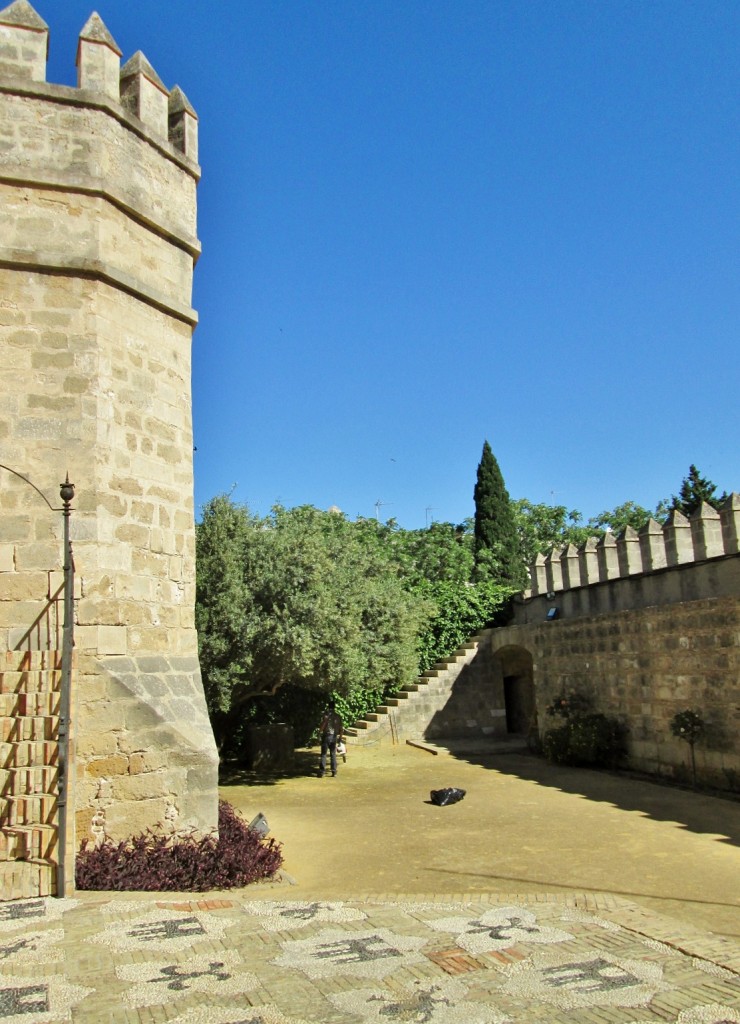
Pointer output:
x,y
153,863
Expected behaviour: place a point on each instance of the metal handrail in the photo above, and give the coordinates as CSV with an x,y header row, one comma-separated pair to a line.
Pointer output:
x,y
66,493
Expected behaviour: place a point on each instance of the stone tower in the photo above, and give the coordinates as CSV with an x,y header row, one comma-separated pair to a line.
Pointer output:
x,y
97,249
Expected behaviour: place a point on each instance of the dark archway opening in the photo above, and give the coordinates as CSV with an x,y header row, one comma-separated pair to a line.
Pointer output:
x,y
515,666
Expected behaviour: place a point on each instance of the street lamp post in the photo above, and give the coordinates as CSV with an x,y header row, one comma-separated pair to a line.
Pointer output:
x,y
67,493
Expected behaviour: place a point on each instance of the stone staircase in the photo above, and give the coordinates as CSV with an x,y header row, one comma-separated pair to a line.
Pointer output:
x,y
30,684
407,714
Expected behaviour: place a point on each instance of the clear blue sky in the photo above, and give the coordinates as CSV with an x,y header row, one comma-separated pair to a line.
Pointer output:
x,y
427,224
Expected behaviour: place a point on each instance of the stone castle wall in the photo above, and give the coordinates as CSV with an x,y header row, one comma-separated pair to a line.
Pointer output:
x,y
97,248
643,666
648,624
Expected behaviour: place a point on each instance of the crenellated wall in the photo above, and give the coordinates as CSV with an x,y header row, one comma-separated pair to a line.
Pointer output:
x,y
706,535
648,624
98,242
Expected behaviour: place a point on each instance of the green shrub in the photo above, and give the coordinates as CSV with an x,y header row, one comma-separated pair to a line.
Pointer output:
x,y
556,745
597,740
586,737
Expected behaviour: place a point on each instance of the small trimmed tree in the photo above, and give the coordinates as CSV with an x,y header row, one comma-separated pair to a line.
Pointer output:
x,y
496,545
688,725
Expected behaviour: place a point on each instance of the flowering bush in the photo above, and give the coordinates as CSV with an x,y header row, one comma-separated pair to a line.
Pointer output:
x,y
565,705
154,863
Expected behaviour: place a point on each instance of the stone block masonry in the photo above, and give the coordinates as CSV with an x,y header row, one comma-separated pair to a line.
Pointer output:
x,y
98,242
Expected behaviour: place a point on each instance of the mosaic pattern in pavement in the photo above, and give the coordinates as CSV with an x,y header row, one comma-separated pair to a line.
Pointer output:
x,y
242,961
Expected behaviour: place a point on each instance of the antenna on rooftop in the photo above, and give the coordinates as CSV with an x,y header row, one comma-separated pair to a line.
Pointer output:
x,y
378,505
427,510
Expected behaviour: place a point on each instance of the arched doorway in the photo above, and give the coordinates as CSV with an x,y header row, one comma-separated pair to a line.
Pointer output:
x,y
513,665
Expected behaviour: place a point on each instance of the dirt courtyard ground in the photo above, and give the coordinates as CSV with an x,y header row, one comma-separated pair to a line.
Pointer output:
x,y
524,827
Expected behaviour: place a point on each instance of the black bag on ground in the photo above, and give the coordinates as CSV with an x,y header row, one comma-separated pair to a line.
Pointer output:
x,y
442,797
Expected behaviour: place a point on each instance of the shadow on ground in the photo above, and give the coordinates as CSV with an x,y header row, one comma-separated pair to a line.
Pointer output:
x,y
305,763
653,798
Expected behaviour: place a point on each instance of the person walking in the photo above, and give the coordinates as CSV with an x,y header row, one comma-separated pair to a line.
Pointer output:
x,y
331,734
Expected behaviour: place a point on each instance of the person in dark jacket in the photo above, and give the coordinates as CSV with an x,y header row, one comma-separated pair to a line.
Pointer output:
x,y
331,734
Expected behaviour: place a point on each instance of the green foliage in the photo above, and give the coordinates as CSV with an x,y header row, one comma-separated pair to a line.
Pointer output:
x,y
290,705
586,737
542,527
301,598
497,550
225,614
694,490
629,513
556,745
568,705
462,609
357,704
688,725
598,740
442,552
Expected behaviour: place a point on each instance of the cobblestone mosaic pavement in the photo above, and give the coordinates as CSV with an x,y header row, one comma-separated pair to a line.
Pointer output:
x,y
261,958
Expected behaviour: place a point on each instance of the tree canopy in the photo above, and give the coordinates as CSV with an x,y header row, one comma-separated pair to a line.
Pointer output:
x,y
695,489
301,598
541,527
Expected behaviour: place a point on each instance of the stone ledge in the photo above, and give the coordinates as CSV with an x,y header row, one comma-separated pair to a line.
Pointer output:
x,y
51,263
71,96
97,188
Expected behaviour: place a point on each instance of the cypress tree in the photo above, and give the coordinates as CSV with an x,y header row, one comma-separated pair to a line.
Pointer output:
x,y
695,489
495,540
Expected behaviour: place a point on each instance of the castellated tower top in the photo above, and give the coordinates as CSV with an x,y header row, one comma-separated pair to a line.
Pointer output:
x,y
137,88
24,42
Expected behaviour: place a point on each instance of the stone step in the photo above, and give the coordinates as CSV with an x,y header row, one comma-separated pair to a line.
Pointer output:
x,y
39,727
29,842
31,681
12,846
27,879
38,809
25,661
29,753
29,705
420,698
28,780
